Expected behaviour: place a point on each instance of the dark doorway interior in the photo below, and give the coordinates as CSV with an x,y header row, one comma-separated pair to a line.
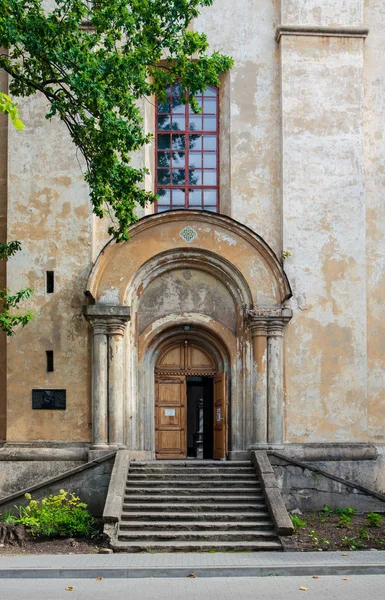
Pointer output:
x,y
200,393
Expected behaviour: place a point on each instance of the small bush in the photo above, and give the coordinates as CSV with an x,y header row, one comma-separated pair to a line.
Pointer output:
x,y
352,543
297,522
374,519
349,512
327,511
344,521
63,515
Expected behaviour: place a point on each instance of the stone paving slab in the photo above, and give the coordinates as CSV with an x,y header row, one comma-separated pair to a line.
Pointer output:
x,y
250,564
264,588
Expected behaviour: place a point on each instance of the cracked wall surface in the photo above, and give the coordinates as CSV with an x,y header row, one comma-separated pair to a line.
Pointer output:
x,y
302,165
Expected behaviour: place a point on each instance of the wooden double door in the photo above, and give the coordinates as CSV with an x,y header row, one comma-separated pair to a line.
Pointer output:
x,y
171,416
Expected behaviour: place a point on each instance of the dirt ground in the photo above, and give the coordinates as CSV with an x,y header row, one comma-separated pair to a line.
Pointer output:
x,y
55,546
322,532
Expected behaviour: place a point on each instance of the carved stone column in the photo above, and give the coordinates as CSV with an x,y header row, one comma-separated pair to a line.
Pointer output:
x,y
116,329
258,329
108,324
99,385
275,382
266,326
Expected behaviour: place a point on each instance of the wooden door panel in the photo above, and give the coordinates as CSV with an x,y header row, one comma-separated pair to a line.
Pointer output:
x,y
220,416
170,417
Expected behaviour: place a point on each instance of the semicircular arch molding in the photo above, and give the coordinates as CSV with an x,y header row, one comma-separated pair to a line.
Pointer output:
x,y
220,240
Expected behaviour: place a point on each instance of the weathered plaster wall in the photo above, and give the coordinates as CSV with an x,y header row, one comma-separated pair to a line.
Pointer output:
x,y
375,213
183,291
245,30
49,213
324,229
322,13
3,238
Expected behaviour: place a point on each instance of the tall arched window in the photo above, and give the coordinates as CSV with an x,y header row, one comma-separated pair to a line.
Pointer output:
x,y
187,152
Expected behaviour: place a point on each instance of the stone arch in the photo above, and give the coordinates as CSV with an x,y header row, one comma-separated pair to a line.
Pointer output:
x,y
248,278
217,235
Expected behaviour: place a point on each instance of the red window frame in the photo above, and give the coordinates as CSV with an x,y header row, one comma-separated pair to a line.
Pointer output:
x,y
172,154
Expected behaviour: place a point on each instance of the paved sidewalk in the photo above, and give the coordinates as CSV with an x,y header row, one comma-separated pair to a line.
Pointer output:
x,y
245,588
250,564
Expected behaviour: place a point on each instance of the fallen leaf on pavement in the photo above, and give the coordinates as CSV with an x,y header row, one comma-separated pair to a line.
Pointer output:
x,y
345,579
99,579
69,588
345,555
192,575
315,577
303,589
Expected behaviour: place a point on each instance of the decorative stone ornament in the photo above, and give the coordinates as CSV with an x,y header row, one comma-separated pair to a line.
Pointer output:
x,y
188,234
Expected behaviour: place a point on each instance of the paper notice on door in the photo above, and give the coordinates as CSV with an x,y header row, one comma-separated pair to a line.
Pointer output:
x,y
218,414
169,412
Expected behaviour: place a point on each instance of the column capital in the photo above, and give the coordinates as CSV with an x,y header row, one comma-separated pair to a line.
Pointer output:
x,y
107,319
263,321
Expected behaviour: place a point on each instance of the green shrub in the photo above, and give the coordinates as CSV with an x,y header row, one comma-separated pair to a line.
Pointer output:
x,y
297,522
352,543
349,512
327,511
374,519
63,515
344,521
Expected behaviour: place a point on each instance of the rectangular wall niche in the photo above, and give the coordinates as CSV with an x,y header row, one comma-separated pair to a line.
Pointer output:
x,y
49,359
50,282
49,399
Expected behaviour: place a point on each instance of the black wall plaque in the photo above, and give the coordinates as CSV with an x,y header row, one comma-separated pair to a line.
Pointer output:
x,y
49,399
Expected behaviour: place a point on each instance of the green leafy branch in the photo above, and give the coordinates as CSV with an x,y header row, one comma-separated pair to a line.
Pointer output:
x,y
10,108
93,60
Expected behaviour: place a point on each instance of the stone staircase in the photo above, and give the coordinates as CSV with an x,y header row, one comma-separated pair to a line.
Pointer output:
x,y
187,506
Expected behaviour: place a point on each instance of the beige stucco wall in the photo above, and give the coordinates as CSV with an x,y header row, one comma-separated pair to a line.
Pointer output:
x,y
375,213
302,165
49,213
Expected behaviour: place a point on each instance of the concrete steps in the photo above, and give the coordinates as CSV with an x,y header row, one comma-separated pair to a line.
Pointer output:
x,y
187,506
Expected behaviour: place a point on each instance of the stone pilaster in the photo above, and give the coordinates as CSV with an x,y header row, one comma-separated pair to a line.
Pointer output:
x,y
108,325
266,326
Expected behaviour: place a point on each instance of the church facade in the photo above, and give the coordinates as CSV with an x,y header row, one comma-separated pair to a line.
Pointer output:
x,y
246,310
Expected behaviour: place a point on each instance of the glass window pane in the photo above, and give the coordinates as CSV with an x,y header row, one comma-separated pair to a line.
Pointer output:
x,y
210,197
168,90
163,141
164,122
210,160
210,142
210,106
199,102
163,107
178,142
163,208
209,123
195,142
195,198
178,123
210,91
210,177
211,208
178,176
163,176
164,159
178,106
177,89
164,196
195,177
195,123
195,159
178,198
178,159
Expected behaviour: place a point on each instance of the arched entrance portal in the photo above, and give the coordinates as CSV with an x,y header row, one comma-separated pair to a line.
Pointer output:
x,y
191,403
